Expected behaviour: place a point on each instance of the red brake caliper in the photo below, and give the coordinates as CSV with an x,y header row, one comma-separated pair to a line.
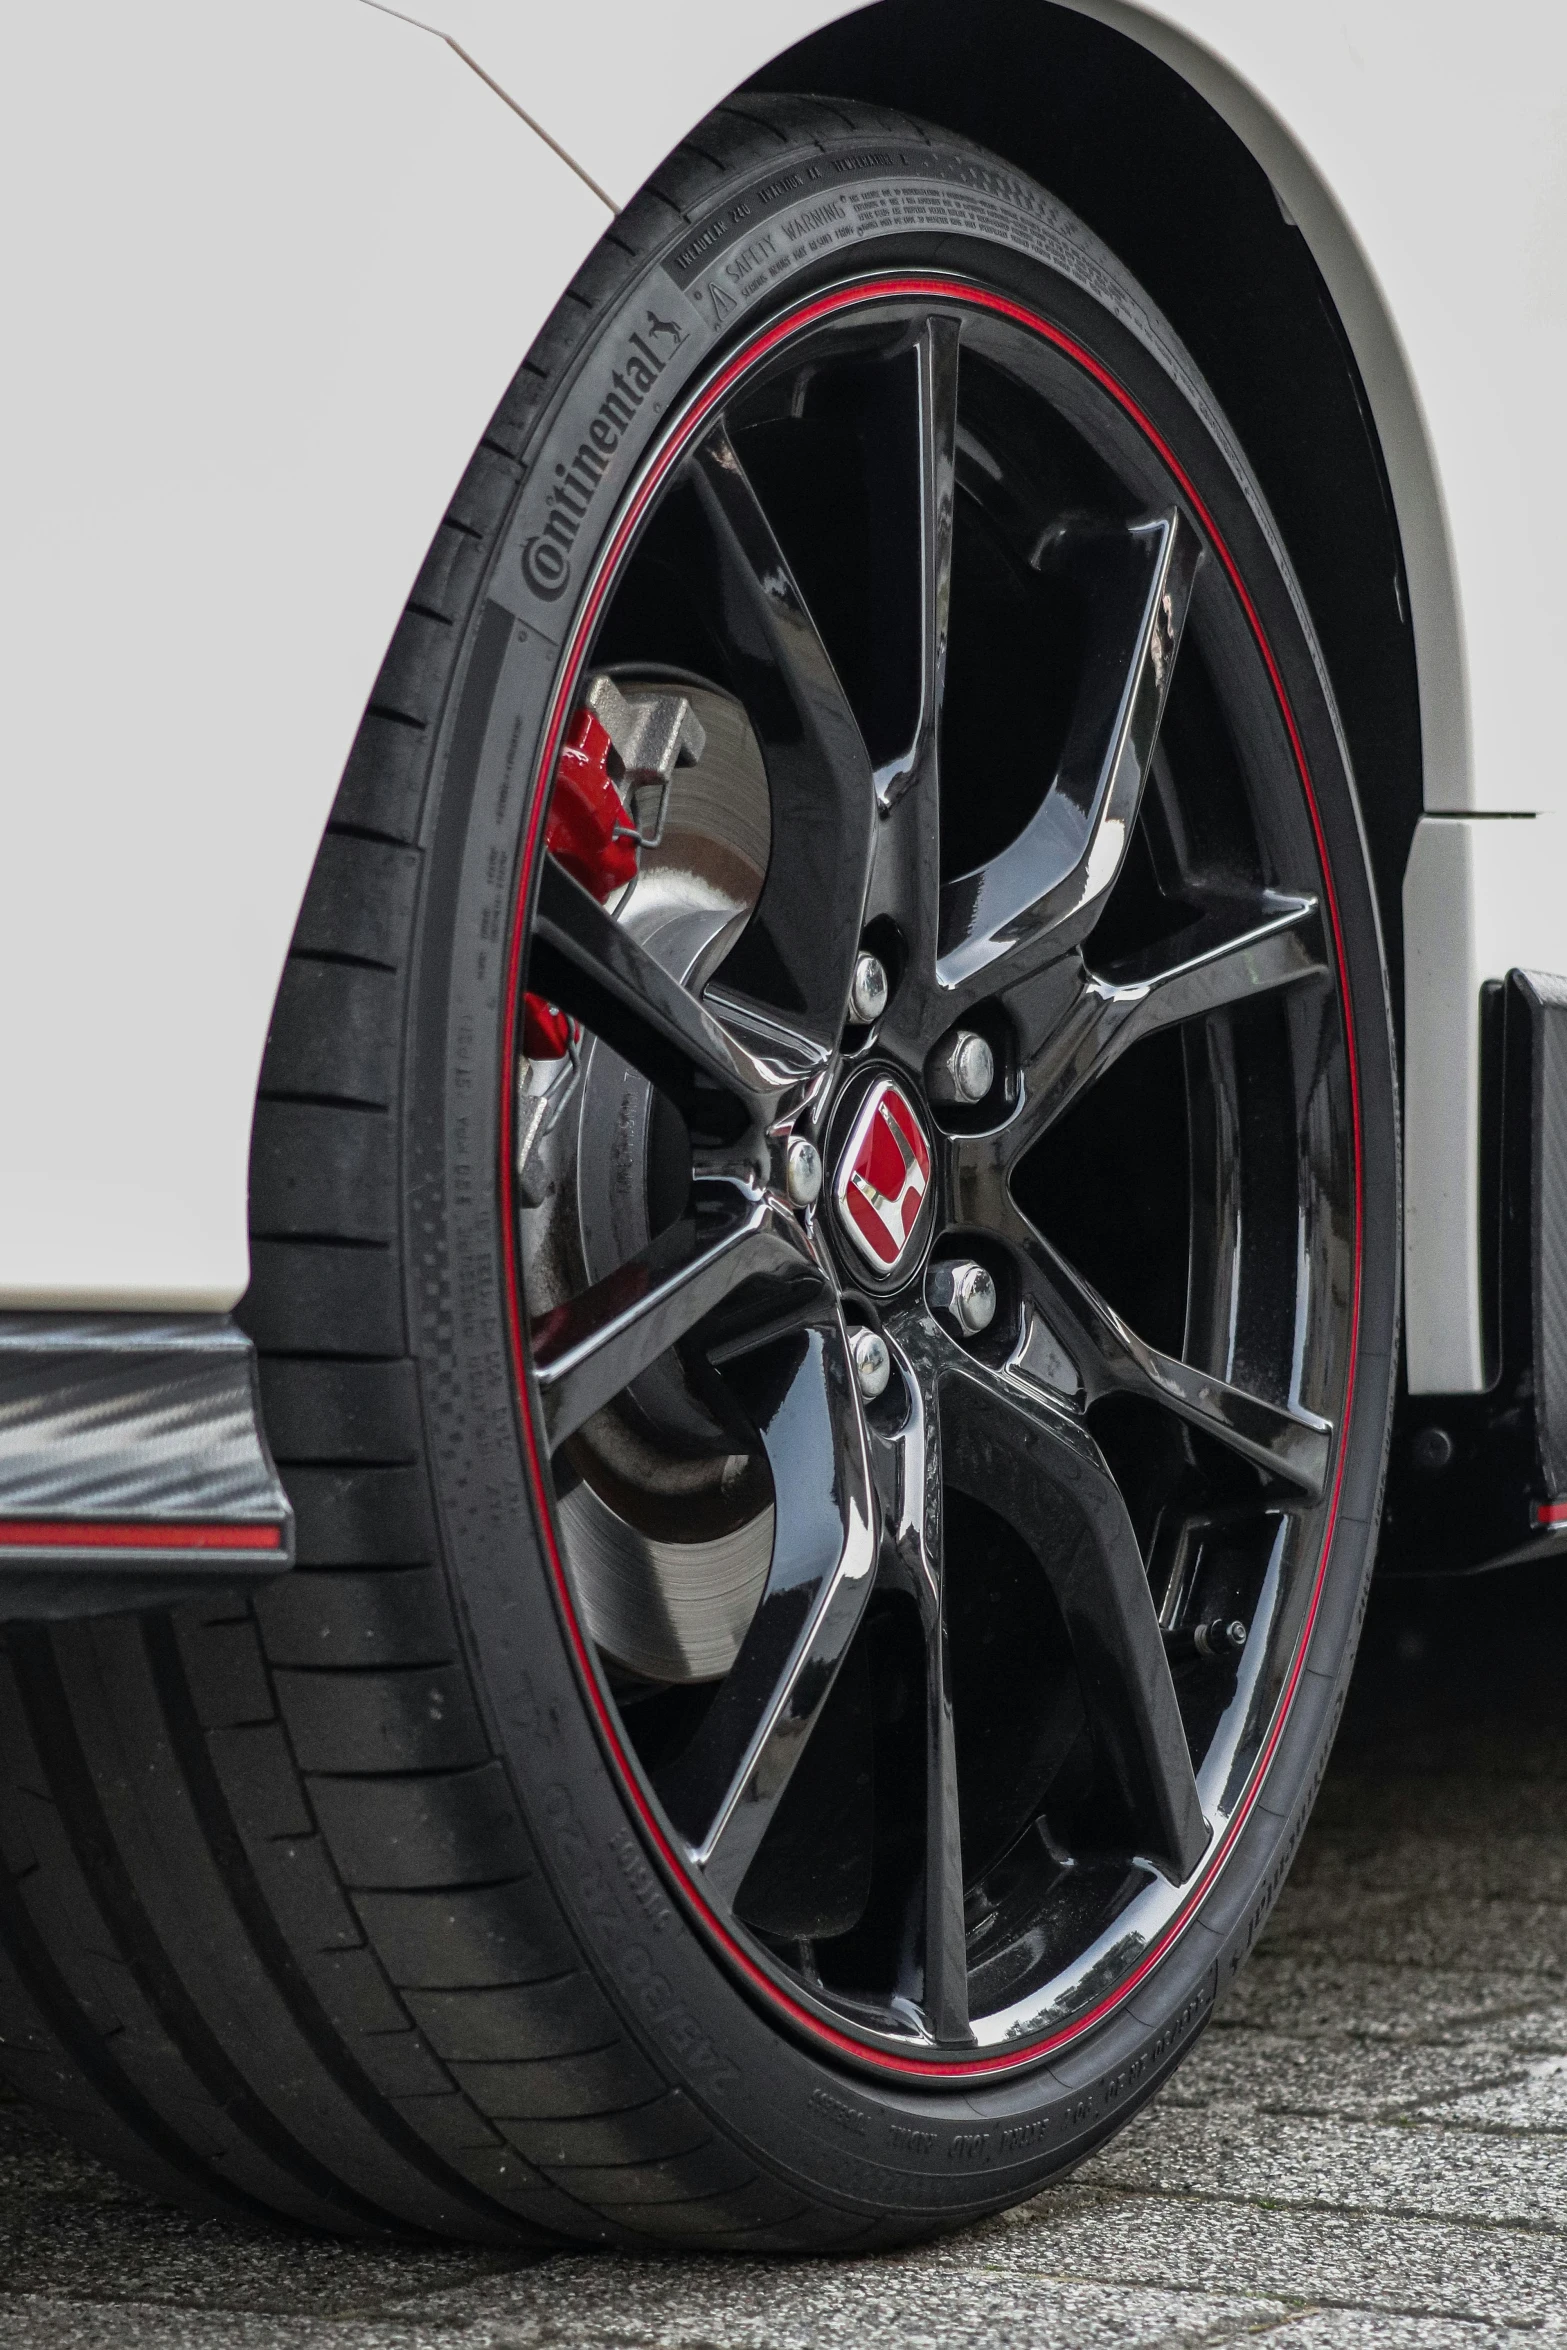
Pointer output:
x,y
592,832
590,829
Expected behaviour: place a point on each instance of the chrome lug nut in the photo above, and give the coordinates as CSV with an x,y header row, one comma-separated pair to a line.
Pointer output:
x,y
961,1070
872,1362
964,1293
868,995
803,1171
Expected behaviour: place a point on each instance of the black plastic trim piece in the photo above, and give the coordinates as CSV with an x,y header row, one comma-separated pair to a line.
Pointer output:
x,y
1477,1482
1546,998
133,1466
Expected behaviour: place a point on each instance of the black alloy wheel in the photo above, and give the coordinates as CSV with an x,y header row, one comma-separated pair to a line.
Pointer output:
x,y
1019,1622
824,1237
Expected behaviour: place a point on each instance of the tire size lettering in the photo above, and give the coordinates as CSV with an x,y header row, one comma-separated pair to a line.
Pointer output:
x,y
1156,2052
1060,2120
652,1992
646,1891
843,2117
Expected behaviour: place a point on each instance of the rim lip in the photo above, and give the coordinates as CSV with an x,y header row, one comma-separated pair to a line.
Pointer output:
x,y
826,303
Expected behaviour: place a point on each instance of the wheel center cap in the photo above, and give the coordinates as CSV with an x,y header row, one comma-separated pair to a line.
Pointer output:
x,y
882,1176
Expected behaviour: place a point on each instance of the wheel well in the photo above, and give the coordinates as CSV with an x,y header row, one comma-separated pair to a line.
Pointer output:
x,y
1156,172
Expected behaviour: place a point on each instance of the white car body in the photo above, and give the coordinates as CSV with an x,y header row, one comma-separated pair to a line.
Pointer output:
x,y
253,339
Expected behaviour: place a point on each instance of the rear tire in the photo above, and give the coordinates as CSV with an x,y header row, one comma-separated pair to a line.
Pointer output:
x,y
336,1904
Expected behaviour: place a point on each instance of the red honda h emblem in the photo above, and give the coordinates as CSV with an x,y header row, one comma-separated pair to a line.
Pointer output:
x,y
883,1176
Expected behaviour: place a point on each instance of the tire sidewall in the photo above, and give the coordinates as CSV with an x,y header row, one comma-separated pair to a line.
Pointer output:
x,y
879,2145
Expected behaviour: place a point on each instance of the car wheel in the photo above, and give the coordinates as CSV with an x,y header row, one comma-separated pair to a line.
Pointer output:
x,y
825,1264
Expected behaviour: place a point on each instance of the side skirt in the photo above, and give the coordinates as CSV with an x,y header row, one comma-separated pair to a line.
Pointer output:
x,y
133,1466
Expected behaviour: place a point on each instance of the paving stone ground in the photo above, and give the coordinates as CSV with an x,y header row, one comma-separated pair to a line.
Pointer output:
x,y
1368,2151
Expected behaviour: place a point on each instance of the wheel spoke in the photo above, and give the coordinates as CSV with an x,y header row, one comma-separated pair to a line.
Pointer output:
x,y
1232,953
906,867
1042,1471
1290,1445
799,1391
908,1475
583,959
796,955
1043,892
934,487
586,1351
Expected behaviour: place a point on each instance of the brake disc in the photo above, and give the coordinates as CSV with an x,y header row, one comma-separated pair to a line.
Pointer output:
x,y
668,1530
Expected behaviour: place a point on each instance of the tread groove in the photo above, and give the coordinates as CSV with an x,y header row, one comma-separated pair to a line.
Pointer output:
x,y
347,828
326,1101
27,1952
47,1709
229,1855
341,958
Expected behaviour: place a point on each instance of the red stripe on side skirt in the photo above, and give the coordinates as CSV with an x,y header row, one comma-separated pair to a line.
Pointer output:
x,y
105,1534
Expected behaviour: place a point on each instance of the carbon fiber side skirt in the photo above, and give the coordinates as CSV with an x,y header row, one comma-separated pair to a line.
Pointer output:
x,y
133,1466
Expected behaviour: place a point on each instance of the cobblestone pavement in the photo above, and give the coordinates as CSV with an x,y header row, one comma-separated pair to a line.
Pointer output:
x,y
1368,2148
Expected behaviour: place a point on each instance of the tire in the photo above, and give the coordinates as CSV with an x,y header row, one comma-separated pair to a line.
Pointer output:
x,y
362,1904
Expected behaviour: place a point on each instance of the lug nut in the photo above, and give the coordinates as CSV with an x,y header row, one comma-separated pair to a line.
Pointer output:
x,y
872,1362
964,1293
803,1171
868,995
961,1070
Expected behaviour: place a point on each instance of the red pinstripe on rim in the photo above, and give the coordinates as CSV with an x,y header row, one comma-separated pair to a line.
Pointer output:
x,y
760,346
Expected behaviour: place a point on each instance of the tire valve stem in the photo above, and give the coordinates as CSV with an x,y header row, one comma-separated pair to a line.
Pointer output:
x,y
1224,1637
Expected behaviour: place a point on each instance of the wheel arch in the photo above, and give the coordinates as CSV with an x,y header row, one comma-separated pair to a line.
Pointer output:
x,y
1317,388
